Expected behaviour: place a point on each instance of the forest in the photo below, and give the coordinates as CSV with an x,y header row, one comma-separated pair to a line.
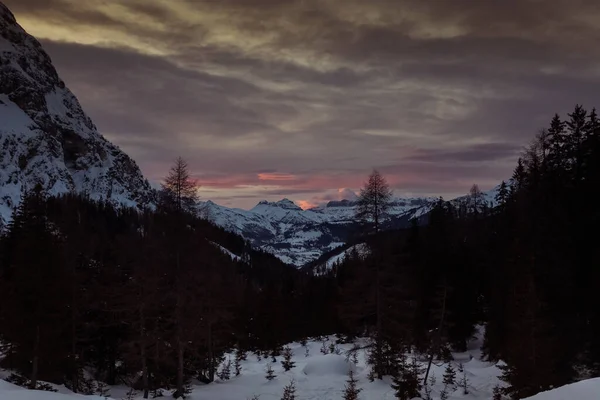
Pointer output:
x,y
94,293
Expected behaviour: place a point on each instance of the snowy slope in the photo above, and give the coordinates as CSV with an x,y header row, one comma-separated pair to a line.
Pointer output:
x,y
317,376
46,138
584,390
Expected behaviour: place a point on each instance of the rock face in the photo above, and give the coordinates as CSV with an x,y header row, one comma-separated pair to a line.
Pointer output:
x,y
46,138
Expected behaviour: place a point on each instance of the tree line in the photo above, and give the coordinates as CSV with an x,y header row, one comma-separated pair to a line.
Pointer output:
x,y
93,293
526,270
148,299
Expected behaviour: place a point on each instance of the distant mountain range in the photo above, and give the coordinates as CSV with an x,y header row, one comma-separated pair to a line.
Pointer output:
x,y
46,139
300,236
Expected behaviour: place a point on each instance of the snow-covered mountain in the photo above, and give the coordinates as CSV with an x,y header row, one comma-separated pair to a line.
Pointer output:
x,y
46,138
299,236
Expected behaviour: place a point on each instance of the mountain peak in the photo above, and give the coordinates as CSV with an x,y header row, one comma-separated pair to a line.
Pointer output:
x,y
285,203
47,138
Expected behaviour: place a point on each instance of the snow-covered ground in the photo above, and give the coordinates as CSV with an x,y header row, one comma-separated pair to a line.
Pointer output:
x,y
584,390
323,377
316,376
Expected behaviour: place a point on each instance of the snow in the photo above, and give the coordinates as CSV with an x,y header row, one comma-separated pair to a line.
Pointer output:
x,y
584,390
14,120
234,257
329,364
323,377
294,235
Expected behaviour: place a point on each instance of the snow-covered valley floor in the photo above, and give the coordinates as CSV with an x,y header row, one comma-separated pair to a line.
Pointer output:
x,y
323,377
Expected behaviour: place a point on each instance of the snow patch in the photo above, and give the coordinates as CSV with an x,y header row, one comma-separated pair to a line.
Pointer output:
x,y
330,364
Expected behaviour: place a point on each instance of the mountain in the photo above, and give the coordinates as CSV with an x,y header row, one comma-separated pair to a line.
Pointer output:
x,y
46,138
300,236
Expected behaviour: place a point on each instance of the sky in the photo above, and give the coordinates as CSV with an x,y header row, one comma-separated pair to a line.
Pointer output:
x,y
303,98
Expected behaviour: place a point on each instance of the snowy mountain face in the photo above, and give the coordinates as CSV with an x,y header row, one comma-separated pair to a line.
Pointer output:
x,y
299,236
46,138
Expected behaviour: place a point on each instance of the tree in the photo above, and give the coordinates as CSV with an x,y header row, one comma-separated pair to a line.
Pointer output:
x,y
475,200
270,373
502,195
406,382
464,383
225,373
287,362
374,201
289,391
351,392
449,376
179,190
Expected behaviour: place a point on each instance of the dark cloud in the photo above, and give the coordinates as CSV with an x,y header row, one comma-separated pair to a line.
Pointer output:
x,y
436,94
486,152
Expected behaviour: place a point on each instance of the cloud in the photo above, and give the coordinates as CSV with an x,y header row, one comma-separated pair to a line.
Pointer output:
x,y
311,95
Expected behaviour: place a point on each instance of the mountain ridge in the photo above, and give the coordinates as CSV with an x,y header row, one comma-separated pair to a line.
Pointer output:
x,y
45,136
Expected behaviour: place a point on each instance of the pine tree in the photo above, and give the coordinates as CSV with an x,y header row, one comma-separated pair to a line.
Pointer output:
x,y
406,382
270,373
502,195
225,373
289,391
463,383
449,376
351,391
287,362
306,351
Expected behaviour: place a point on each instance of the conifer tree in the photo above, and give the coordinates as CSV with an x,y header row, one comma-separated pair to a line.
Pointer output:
x,y
449,376
287,362
289,391
464,383
270,373
406,382
502,195
225,373
351,391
